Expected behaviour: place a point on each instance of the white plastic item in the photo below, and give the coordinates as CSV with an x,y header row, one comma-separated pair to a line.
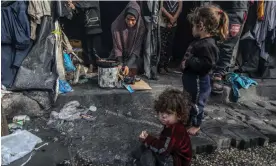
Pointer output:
x,y
17,145
21,118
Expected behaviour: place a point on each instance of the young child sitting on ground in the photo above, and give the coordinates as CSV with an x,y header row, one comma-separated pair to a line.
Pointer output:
x,y
201,56
172,107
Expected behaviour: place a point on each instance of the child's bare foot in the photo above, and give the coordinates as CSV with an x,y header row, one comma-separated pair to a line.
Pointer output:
x,y
193,130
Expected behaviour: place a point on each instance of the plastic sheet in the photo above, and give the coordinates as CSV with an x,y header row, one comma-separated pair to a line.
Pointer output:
x,y
68,64
70,112
64,87
17,145
38,70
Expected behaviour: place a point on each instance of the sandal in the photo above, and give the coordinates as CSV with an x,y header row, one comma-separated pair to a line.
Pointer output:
x,y
217,87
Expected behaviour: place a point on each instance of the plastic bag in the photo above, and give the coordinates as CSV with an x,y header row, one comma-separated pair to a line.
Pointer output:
x,y
64,87
71,111
17,145
68,64
38,69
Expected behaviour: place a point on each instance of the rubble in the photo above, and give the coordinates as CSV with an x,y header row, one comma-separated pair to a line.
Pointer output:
x,y
16,103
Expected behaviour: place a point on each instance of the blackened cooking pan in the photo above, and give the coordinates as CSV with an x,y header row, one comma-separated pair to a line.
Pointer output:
x,y
107,63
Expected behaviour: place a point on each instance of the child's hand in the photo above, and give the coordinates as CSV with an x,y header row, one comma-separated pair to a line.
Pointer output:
x,y
193,130
143,135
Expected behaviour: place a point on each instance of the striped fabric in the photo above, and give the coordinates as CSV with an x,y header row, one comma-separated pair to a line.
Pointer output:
x,y
171,6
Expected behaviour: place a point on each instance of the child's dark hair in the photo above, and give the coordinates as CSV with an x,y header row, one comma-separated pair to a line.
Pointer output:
x,y
173,101
214,20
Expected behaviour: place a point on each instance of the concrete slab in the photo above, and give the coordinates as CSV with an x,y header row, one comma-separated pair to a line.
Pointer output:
x,y
218,113
266,129
273,103
201,143
247,137
222,136
236,114
271,107
251,105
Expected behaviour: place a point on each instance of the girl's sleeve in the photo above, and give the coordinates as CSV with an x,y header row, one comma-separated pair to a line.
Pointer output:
x,y
204,62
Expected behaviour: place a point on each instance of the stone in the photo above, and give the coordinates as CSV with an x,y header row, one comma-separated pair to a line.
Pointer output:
x,y
250,105
222,136
55,139
209,108
236,114
264,128
261,103
17,104
262,113
247,113
129,114
202,144
272,122
272,108
273,103
247,136
218,114
93,108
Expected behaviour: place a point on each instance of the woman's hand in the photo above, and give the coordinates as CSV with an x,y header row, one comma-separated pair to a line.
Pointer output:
x,y
173,20
124,70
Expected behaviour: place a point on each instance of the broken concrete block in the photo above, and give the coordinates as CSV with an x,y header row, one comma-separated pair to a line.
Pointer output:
x,y
251,105
262,103
218,114
17,104
273,103
202,144
247,136
222,136
271,107
235,114
264,128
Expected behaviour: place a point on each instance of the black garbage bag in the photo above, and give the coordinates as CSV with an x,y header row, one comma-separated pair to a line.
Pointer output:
x,y
45,99
38,70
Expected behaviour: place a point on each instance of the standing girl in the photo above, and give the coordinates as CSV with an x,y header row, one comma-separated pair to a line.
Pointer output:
x,y
168,21
208,23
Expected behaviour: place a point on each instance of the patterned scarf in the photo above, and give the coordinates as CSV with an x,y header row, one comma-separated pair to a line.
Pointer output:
x,y
171,6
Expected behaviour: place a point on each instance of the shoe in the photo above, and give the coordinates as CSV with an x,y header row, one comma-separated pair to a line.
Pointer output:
x,y
217,87
166,68
156,78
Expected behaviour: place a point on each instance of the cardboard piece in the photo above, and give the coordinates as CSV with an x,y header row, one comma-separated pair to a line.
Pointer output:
x,y
141,85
